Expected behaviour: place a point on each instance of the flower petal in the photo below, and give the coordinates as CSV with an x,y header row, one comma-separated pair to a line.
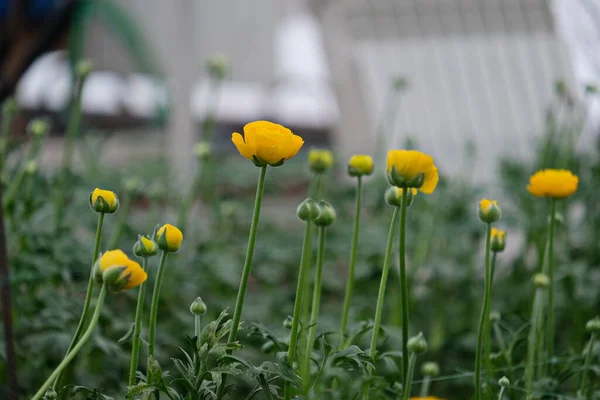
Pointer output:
x,y
245,150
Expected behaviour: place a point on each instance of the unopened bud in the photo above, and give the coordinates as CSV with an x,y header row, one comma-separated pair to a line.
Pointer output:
x,y
430,369
541,281
498,242
326,214
504,382
38,127
202,149
308,210
218,66
145,247
495,316
320,160
287,322
50,395
360,164
593,325
83,69
417,344
198,307
31,167
489,211
393,196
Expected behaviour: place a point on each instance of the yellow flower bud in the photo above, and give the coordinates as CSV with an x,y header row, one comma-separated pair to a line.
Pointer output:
x,y
489,211
119,272
145,247
412,169
104,201
267,143
555,183
498,240
169,238
393,196
320,160
360,164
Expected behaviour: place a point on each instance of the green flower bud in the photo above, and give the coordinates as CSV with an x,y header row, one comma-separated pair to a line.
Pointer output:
x,y
417,344
498,242
38,127
83,69
393,196
489,211
31,167
218,66
541,281
202,149
593,325
320,160
326,214
198,307
287,322
430,369
504,382
50,395
308,210
145,247
494,316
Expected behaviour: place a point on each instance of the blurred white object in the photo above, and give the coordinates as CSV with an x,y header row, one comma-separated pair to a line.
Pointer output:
x,y
102,93
141,95
236,101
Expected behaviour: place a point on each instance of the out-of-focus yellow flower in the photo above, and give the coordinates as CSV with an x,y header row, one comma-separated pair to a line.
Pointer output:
x,y
320,160
118,271
360,164
498,240
104,201
556,183
489,211
169,238
411,168
265,142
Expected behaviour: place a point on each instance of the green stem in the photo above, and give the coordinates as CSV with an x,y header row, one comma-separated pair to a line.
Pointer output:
x,y
154,307
484,313
298,305
197,326
113,241
404,287
501,394
409,376
425,386
504,349
583,389
239,303
88,296
314,315
352,265
188,200
9,110
550,328
382,286
71,355
531,342
139,310
488,329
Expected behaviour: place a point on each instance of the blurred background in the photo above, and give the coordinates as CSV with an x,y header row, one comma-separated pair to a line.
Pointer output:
x,y
350,74
492,89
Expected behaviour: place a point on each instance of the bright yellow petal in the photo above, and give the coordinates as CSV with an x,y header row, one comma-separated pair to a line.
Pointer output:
x,y
296,143
431,180
245,150
111,258
136,273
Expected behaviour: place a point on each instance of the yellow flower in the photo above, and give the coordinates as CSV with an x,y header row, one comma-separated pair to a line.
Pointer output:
x,y
556,183
265,142
118,271
104,201
169,238
489,211
411,168
360,164
498,240
320,160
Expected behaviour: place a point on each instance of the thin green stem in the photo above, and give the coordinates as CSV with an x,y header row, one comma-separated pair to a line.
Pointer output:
x,y
88,296
239,303
352,265
382,286
531,342
197,326
583,389
484,313
139,311
488,328
409,376
154,307
404,287
501,394
71,355
550,328
298,305
503,348
314,314
425,386
188,200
